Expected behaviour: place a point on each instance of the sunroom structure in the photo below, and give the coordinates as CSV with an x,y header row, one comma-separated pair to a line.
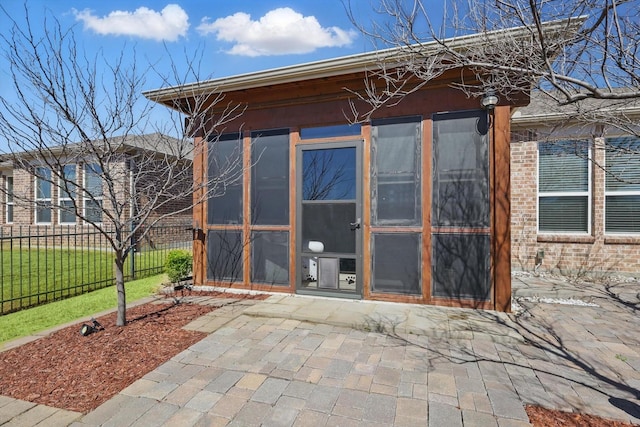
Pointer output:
x,y
411,205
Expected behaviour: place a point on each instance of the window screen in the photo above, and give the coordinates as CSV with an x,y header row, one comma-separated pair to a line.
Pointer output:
x,y
395,174
270,177
396,263
224,255
460,170
622,185
331,131
270,257
461,266
563,186
224,205
329,223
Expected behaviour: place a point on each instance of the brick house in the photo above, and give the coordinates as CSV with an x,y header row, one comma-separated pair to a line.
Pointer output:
x,y
33,195
575,189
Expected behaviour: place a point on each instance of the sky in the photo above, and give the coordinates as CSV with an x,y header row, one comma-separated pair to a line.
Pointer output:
x,y
236,36
233,37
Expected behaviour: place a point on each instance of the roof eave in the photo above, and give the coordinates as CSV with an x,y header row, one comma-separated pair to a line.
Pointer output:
x,y
548,118
335,66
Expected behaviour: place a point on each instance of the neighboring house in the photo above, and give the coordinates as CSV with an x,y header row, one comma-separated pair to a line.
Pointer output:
x,y
409,206
33,196
575,188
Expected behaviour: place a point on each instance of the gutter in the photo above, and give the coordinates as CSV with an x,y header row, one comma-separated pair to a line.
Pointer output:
x,y
518,120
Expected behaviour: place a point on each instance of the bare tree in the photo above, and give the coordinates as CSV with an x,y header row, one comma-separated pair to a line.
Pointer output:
x,y
572,51
72,108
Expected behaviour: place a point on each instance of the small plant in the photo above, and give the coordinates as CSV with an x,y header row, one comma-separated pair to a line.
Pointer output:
x,y
621,357
178,265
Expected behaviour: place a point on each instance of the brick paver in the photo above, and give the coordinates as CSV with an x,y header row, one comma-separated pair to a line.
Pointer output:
x,y
291,371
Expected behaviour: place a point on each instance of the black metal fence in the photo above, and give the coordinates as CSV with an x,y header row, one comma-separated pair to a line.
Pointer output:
x,y
41,264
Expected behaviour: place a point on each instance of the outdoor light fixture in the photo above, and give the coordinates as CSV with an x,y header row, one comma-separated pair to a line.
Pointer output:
x,y
489,100
86,329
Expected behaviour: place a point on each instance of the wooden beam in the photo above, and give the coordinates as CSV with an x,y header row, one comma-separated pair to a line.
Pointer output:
x,y
501,247
199,211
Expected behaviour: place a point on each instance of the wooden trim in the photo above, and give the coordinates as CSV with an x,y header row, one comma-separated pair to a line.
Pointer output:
x,y
461,230
269,227
223,227
427,177
199,211
294,139
501,202
367,262
462,303
348,138
246,207
409,299
396,229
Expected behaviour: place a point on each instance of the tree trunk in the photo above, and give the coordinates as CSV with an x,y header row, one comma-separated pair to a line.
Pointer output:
x,y
121,319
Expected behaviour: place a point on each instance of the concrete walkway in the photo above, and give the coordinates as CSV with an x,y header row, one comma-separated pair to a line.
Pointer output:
x,y
298,361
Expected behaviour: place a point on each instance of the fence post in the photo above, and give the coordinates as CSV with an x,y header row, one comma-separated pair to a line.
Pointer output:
x,y
132,251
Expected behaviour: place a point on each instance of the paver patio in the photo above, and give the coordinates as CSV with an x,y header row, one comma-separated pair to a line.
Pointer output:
x,y
287,362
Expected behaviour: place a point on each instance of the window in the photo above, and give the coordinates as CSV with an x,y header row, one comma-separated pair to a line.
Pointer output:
x,y
270,177
331,131
395,175
67,195
564,187
43,195
461,266
93,193
460,170
460,243
622,185
225,179
224,255
9,204
396,263
270,257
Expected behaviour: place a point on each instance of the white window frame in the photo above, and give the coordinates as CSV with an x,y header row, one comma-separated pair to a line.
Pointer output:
x,y
40,200
615,193
587,193
9,203
61,191
90,198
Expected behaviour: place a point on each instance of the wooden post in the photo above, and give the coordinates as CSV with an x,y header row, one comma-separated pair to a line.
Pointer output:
x,y
502,209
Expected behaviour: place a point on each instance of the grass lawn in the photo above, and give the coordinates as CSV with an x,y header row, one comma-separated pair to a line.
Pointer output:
x,y
32,276
29,321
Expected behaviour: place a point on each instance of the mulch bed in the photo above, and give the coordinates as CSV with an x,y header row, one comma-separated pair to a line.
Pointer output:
x,y
69,371
541,417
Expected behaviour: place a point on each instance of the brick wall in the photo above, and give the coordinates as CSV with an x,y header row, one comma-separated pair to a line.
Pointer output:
x,y
578,255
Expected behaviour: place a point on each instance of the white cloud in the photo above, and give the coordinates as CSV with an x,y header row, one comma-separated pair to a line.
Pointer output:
x,y
168,24
281,31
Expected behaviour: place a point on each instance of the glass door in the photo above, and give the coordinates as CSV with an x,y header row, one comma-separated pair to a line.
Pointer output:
x,y
329,219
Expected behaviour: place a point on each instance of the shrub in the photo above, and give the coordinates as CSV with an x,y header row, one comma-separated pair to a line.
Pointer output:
x,y
178,265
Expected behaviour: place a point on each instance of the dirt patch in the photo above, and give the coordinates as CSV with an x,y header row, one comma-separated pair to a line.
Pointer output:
x,y
541,417
69,371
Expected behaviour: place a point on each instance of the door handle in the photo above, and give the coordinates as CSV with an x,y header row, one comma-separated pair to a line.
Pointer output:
x,y
355,225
